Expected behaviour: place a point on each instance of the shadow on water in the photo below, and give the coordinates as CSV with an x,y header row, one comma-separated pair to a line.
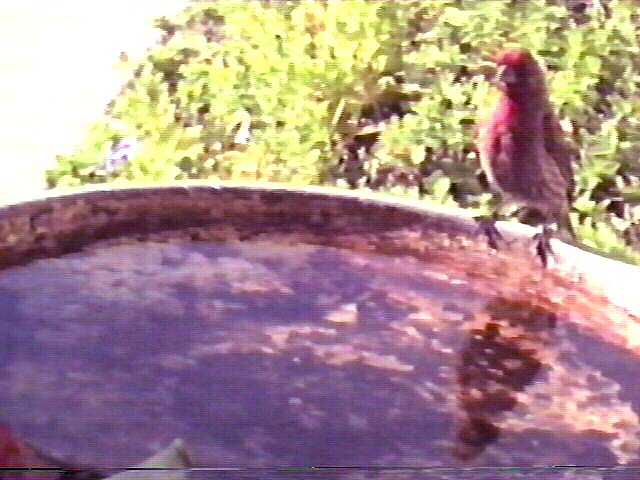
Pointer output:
x,y
504,354
268,355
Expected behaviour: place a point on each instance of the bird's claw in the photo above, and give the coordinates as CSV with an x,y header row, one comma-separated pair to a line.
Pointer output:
x,y
543,246
487,227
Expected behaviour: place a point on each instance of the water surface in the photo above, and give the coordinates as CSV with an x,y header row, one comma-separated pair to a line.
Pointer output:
x,y
261,354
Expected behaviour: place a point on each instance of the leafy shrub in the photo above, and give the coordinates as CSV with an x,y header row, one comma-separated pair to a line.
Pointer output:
x,y
384,94
278,77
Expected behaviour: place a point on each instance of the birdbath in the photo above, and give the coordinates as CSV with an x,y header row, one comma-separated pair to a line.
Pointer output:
x,y
269,327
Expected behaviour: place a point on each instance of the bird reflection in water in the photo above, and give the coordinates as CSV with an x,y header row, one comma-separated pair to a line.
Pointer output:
x,y
502,356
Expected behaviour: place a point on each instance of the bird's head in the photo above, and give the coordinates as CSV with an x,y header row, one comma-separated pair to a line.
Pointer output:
x,y
519,74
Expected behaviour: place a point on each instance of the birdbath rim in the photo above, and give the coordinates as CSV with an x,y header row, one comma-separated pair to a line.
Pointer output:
x,y
614,278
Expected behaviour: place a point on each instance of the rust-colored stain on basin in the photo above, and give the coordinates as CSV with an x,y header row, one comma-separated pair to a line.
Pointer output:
x,y
275,328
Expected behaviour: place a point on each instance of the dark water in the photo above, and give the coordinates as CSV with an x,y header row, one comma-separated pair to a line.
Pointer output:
x,y
262,355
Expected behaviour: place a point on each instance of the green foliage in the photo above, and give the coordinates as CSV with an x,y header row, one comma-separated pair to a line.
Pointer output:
x,y
332,91
266,102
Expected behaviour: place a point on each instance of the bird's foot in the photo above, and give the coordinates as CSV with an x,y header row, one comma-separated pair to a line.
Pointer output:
x,y
543,246
487,227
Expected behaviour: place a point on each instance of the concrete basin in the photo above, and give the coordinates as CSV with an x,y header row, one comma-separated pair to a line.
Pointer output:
x,y
269,327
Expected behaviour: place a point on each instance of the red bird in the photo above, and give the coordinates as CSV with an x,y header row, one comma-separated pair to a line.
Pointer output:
x,y
521,146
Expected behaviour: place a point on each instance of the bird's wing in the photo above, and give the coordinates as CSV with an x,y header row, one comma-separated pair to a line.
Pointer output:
x,y
553,185
558,148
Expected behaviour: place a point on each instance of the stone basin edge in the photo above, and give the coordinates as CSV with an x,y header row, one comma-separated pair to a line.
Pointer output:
x,y
617,280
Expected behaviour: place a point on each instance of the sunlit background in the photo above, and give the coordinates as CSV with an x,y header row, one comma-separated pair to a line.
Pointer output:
x,y
59,64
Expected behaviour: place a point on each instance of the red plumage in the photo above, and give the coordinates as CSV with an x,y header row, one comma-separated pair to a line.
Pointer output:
x,y
522,148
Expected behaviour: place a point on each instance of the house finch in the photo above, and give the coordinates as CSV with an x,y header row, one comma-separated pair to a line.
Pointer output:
x,y
521,146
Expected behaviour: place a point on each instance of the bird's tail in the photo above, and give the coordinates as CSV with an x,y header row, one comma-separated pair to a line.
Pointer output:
x,y
565,232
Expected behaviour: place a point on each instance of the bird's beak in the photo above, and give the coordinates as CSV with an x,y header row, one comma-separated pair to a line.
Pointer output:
x,y
506,75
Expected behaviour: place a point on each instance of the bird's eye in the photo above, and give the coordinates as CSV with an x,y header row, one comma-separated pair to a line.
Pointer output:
x,y
507,75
